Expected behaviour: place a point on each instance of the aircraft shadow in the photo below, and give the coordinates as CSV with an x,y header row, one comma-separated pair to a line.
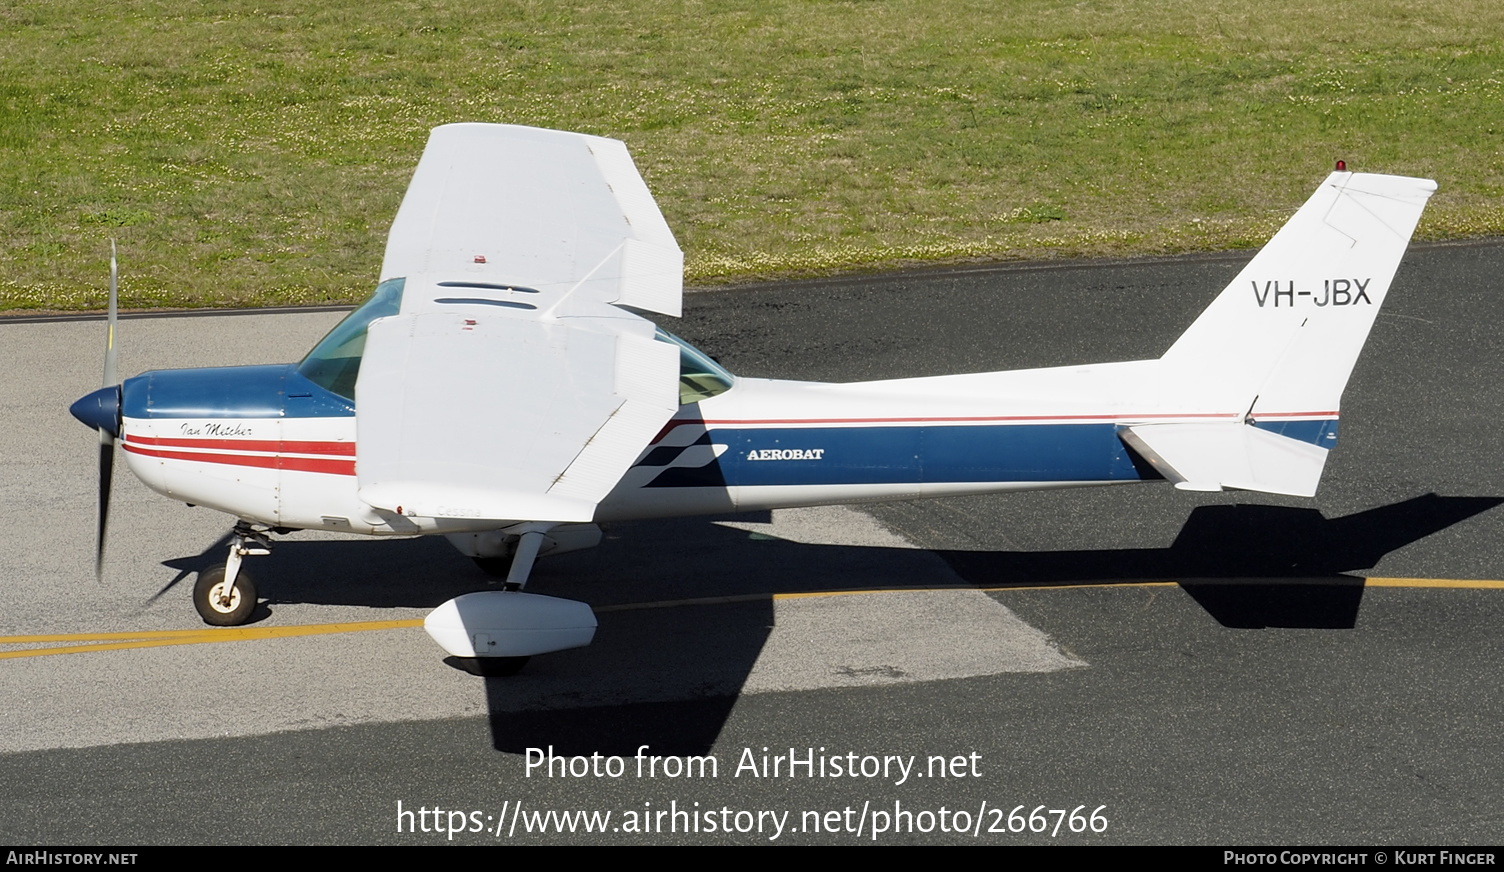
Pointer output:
x,y
1249,566
668,675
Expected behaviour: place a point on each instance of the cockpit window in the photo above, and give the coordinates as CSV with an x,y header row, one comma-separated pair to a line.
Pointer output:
x,y
700,378
334,363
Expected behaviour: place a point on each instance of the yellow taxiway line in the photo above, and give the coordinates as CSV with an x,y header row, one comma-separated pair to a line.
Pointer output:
x,y
84,642
1451,583
161,638
1471,584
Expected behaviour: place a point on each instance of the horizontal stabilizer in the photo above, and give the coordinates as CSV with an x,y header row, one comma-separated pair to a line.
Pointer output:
x,y
1213,457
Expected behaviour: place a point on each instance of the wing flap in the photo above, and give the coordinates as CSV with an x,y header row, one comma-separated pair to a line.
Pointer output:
x,y
649,400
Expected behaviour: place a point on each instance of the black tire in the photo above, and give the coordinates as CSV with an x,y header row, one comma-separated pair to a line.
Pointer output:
x,y
242,598
496,667
496,567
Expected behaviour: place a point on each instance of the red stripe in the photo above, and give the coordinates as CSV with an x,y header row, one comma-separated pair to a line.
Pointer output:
x,y
669,428
345,449
264,461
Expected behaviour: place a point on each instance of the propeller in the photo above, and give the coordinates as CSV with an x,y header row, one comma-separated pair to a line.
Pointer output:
x,y
101,410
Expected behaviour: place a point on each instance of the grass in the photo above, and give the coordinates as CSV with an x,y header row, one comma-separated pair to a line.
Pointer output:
x,y
253,152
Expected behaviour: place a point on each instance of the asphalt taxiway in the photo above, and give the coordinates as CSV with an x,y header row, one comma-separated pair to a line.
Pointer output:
x,y
1204,668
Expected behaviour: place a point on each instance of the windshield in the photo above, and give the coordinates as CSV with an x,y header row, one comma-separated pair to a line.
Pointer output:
x,y
334,363
700,377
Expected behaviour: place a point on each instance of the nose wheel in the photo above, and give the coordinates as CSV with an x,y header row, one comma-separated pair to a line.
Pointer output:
x,y
224,605
224,595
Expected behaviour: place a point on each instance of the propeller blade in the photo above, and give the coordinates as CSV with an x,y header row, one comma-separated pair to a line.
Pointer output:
x,y
107,434
110,357
106,476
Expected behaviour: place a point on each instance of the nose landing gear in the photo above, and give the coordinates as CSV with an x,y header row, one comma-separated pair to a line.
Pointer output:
x,y
224,596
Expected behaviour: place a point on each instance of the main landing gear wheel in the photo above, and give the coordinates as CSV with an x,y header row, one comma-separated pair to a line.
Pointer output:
x,y
496,567
499,667
215,607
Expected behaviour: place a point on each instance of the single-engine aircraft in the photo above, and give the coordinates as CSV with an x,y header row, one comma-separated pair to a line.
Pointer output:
x,y
500,388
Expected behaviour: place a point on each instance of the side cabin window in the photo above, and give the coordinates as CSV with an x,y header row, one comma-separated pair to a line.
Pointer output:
x,y
334,363
700,377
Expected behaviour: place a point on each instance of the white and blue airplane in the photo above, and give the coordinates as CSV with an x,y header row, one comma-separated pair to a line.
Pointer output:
x,y
501,388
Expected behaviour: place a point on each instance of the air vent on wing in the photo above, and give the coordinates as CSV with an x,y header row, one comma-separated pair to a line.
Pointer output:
x,y
481,301
488,286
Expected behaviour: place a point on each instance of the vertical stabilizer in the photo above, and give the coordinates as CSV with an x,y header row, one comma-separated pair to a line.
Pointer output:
x,y
1273,352
1282,339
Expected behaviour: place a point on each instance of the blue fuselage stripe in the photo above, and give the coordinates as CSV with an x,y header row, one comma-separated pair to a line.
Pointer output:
x,y
912,455
928,454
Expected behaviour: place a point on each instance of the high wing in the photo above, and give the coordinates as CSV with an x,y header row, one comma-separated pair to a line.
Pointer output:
x,y
555,211
511,385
